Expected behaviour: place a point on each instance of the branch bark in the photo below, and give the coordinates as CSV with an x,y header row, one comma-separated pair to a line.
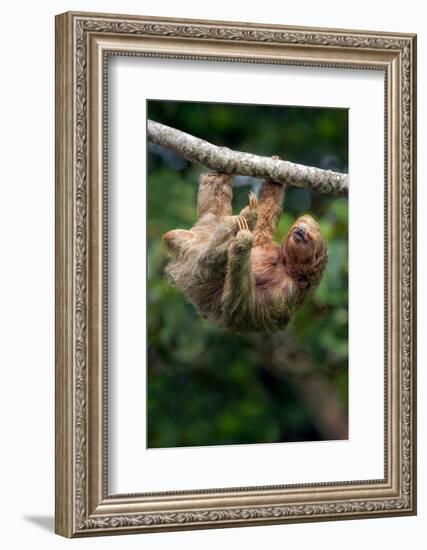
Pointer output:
x,y
225,160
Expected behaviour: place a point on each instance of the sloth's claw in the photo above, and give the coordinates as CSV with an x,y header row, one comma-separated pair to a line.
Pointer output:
x,y
253,201
242,223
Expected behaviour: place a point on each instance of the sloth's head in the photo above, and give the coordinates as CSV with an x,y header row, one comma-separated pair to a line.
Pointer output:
x,y
304,248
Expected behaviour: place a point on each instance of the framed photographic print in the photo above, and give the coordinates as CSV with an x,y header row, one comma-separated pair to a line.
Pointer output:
x,y
235,274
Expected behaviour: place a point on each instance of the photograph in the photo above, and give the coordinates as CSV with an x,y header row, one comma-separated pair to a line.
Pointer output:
x,y
247,279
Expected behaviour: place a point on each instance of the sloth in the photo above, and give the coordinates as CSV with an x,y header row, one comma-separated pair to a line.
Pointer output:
x,y
230,268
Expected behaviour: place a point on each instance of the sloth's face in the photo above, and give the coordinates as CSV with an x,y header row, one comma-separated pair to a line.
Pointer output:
x,y
304,244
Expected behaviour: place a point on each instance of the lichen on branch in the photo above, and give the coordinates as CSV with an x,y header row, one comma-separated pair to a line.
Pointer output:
x,y
222,159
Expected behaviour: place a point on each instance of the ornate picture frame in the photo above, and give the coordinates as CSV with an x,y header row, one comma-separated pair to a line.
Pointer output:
x,y
84,42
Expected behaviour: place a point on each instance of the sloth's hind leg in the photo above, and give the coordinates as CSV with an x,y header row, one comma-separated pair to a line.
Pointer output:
x,y
213,259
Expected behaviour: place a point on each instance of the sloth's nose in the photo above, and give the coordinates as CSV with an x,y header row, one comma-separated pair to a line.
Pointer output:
x,y
300,234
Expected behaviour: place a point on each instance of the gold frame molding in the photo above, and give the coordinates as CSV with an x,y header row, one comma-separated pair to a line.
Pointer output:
x,y
83,43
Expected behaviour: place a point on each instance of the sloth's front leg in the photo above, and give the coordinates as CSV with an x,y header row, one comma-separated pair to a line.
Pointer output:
x,y
250,212
214,258
239,288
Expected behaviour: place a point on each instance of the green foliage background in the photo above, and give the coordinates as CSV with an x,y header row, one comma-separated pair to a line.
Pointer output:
x,y
207,386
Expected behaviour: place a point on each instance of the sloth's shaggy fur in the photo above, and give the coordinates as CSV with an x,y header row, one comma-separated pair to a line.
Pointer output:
x,y
230,268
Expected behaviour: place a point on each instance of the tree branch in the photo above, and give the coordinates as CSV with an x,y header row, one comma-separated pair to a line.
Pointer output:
x,y
225,160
